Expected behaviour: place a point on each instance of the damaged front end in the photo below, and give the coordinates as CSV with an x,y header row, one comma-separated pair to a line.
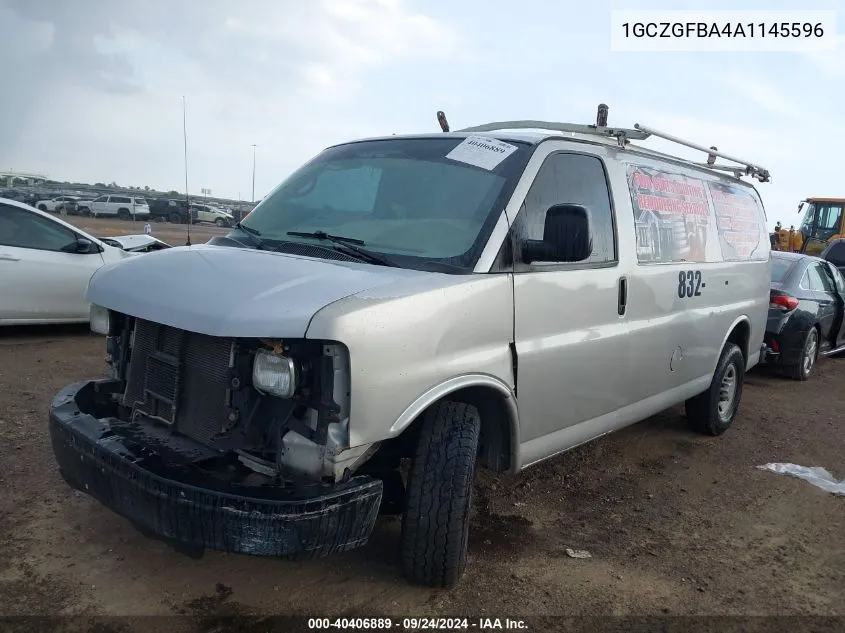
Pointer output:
x,y
229,443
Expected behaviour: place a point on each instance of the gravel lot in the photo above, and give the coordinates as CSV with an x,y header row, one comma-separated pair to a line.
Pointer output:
x,y
676,523
175,234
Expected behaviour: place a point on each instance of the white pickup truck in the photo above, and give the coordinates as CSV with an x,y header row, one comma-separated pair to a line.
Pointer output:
x,y
124,207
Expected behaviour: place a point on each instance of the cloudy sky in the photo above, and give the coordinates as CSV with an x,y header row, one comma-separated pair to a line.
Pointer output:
x,y
92,89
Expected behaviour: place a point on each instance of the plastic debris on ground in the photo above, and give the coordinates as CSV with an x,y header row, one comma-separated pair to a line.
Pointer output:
x,y
816,475
578,553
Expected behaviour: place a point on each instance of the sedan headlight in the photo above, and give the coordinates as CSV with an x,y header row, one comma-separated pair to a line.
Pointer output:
x,y
273,374
100,320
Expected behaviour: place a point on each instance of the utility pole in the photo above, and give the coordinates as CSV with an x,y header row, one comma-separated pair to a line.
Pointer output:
x,y
253,173
187,195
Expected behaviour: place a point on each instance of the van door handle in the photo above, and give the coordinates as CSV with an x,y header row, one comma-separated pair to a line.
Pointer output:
x,y
6,257
623,296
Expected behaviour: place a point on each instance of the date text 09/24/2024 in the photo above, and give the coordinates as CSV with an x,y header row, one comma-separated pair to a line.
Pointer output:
x,y
418,624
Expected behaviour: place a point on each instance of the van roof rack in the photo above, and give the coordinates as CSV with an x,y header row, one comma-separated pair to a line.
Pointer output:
x,y
624,136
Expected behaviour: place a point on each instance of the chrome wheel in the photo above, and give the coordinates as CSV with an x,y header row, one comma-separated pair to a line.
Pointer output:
x,y
810,351
727,393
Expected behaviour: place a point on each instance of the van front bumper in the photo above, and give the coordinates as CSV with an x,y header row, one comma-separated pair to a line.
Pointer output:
x,y
95,456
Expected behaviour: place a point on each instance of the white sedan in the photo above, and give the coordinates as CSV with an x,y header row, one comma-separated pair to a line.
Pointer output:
x,y
45,266
136,243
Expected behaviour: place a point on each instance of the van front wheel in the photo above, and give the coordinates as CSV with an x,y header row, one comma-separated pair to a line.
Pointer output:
x,y
713,411
435,525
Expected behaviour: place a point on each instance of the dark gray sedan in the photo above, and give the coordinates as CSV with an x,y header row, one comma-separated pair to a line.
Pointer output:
x,y
806,308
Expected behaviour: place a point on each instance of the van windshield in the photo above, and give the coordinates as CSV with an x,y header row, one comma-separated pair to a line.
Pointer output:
x,y
402,198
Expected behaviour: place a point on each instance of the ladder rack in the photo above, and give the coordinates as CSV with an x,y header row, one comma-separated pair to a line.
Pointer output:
x,y
748,168
623,136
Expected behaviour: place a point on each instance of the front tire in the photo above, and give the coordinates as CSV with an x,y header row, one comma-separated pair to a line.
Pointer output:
x,y
219,222
809,356
713,411
435,525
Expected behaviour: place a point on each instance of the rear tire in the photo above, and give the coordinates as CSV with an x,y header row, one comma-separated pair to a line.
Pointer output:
x,y
435,525
42,207
809,356
713,411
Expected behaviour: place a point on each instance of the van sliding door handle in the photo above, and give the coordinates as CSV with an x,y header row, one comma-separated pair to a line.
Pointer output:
x,y
623,296
6,257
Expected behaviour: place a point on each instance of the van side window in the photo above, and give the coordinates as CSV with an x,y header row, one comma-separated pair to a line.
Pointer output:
x,y
569,179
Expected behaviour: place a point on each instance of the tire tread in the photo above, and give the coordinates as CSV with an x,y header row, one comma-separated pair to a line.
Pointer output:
x,y
436,521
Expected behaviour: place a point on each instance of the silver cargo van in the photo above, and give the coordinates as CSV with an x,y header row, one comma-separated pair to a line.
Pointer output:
x,y
401,310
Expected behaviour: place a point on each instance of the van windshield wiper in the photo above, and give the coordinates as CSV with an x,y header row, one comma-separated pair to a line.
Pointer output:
x,y
253,234
348,244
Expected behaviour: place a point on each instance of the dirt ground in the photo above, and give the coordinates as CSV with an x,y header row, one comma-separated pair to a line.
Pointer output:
x,y
676,523
174,234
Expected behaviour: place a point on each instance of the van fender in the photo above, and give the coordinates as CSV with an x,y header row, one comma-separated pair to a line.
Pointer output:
x,y
457,383
746,352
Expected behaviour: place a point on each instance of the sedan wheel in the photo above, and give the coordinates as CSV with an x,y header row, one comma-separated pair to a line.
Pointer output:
x,y
809,355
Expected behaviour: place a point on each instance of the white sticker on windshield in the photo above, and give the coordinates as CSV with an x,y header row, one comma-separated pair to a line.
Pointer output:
x,y
481,152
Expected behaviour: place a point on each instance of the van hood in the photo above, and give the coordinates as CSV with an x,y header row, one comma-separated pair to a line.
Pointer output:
x,y
225,291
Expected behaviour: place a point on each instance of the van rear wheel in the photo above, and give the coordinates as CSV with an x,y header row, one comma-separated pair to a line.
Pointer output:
x,y
435,525
712,412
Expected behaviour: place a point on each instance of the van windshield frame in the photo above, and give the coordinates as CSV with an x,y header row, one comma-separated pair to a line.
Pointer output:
x,y
402,197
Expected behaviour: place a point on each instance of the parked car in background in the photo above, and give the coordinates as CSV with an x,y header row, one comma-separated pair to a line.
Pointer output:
x,y
174,211
14,194
136,243
806,308
45,266
60,204
123,207
83,205
209,213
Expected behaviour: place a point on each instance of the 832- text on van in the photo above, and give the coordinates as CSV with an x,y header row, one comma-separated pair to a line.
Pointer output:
x,y
489,297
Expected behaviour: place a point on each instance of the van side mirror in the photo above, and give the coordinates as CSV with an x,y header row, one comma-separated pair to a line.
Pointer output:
x,y
566,236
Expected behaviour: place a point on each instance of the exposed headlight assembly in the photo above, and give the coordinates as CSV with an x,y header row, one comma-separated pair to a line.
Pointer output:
x,y
100,319
273,374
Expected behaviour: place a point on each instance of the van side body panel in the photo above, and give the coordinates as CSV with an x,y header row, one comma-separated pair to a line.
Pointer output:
x,y
584,370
